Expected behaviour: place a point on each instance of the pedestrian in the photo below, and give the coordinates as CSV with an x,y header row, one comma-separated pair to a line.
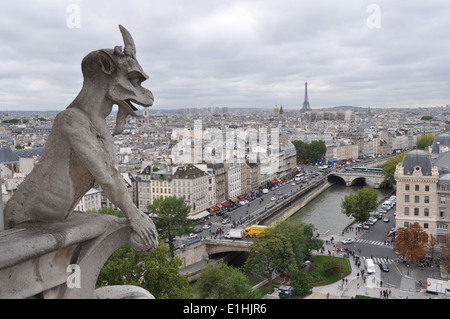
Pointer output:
x,y
381,283
381,294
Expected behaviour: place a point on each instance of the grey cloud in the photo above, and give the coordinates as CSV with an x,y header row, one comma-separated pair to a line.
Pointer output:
x,y
233,53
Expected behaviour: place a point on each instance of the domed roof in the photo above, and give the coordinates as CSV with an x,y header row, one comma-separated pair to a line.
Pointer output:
x,y
417,158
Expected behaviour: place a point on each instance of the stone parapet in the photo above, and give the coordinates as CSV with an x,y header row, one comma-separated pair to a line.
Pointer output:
x,y
63,259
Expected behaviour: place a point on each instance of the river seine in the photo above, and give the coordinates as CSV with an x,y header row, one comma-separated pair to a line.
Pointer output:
x,y
324,211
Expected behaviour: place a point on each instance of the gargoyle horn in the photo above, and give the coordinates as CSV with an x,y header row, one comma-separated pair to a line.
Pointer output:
x,y
130,47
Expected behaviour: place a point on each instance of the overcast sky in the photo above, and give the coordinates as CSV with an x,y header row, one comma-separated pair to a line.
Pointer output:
x,y
233,53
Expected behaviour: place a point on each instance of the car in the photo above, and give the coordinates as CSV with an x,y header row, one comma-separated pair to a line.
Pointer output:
x,y
206,226
348,241
369,222
386,219
273,198
226,221
374,219
384,267
293,184
382,211
280,193
192,236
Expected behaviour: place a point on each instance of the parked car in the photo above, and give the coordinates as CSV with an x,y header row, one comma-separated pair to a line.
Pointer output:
x,y
384,267
206,226
273,198
192,236
386,220
348,241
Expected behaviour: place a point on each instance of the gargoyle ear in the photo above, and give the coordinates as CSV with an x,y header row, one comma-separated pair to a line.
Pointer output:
x,y
106,62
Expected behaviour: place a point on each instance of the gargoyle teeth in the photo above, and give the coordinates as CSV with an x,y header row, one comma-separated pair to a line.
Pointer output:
x,y
131,104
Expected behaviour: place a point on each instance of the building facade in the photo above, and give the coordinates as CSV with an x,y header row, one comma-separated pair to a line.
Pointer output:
x,y
422,194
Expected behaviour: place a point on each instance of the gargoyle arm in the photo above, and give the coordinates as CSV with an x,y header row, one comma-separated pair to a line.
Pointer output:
x,y
87,145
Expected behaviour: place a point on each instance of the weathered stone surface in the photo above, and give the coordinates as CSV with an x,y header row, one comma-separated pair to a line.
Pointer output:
x,y
80,149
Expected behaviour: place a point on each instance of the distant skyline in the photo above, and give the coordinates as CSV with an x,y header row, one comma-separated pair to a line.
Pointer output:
x,y
239,54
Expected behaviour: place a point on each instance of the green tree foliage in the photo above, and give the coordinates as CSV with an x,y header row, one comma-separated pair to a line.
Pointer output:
x,y
271,253
424,140
310,151
220,281
360,204
302,238
332,267
154,271
111,211
389,170
171,218
301,282
426,118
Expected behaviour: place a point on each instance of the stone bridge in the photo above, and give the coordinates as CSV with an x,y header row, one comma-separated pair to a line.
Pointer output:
x,y
372,179
223,246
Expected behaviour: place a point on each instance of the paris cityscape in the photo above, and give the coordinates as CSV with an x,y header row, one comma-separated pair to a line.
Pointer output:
x,y
258,146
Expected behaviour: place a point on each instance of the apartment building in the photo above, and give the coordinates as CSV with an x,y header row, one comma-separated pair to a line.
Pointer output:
x,y
218,170
423,194
233,179
191,183
91,201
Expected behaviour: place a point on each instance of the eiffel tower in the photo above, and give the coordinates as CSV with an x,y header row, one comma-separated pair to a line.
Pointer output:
x,y
306,106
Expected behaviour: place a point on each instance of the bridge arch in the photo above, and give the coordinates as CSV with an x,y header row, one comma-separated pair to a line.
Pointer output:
x,y
336,179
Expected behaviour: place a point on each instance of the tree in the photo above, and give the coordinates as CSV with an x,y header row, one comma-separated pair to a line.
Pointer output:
x,y
171,218
154,271
445,253
389,170
332,266
424,140
220,281
301,282
309,151
270,253
302,238
410,242
360,204
432,245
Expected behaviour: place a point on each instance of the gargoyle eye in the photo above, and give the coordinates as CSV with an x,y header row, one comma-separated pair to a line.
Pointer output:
x,y
136,78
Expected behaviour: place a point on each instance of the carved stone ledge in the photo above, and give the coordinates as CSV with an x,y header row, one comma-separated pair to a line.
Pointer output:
x,y
36,258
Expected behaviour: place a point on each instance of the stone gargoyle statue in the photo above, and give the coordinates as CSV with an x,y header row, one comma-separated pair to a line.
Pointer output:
x,y
79,151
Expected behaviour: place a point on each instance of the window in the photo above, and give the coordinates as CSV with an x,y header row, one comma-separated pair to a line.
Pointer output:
x,y
406,198
416,199
416,211
406,210
406,224
407,187
427,188
442,200
426,212
417,188
427,200
425,225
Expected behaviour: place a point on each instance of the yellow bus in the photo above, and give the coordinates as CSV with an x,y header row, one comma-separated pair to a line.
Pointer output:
x,y
254,230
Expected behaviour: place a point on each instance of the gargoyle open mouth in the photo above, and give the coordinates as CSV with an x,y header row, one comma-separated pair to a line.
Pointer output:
x,y
131,104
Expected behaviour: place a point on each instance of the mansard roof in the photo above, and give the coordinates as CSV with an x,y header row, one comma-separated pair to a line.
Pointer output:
x,y
415,158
